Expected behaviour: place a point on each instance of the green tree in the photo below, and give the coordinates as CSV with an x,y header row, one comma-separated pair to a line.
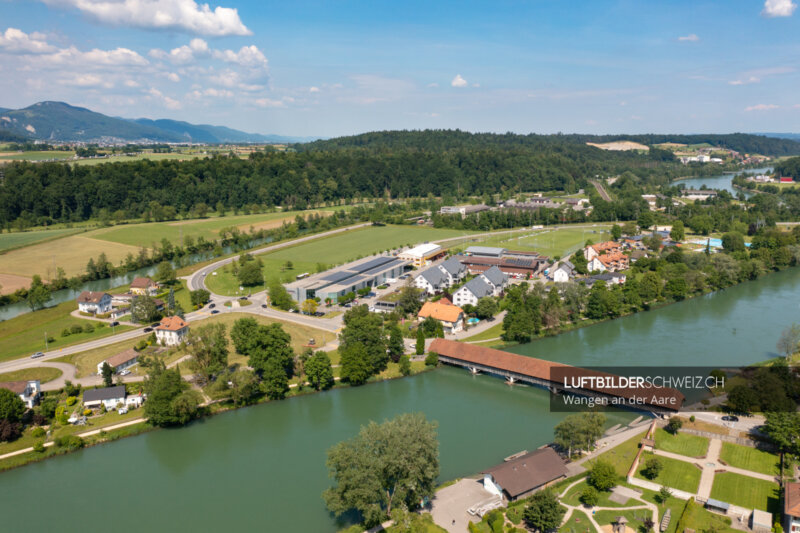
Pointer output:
x,y
171,300
275,381
250,274
395,345
678,232
244,387
271,343
733,241
11,406
165,273
589,496
319,371
386,466
650,287
409,300
616,232
674,425
38,293
199,298
280,297
143,309
169,402
652,468
784,430
486,308
108,374
789,341
365,328
420,348
602,475
646,219
405,365
355,365
209,348
543,512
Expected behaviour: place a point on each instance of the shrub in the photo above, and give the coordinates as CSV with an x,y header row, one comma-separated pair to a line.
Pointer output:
x,y
75,329
38,433
65,332
70,442
495,519
88,328
590,496
692,418
432,359
602,476
87,412
50,340
405,365
9,430
38,447
71,401
674,425
100,325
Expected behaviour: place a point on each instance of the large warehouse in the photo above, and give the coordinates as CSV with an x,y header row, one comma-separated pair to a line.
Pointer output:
x,y
422,254
350,277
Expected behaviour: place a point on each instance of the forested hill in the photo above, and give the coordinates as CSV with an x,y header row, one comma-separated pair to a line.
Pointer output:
x,y
448,140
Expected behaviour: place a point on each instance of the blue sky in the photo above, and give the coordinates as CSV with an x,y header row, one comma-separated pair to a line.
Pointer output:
x,y
326,68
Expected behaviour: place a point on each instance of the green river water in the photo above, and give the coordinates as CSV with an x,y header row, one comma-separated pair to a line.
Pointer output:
x,y
263,468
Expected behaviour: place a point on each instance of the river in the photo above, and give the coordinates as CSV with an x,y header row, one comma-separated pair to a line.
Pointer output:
x,y
722,182
263,467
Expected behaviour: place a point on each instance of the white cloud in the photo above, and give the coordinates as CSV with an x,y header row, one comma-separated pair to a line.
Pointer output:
x,y
119,57
778,8
173,77
755,76
458,81
268,102
182,54
166,101
691,38
186,15
746,81
17,41
88,80
313,90
433,85
761,107
247,56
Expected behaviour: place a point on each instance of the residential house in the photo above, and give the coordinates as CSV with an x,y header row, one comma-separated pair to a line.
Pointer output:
x,y
451,316
432,280
564,272
609,278
521,477
111,398
28,391
496,278
612,262
121,361
144,286
791,507
607,247
472,291
454,269
172,330
96,303
698,194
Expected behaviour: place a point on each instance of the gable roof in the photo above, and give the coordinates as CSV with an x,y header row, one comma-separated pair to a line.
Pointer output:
x,y
172,323
791,505
453,266
91,297
17,387
142,283
122,357
528,471
607,259
603,246
434,276
441,311
495,276
106,393
566,266
478,287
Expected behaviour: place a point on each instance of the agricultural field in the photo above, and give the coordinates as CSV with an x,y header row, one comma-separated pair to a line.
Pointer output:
x,y
37,156
682,443
9,241
25,334
675,474
139,157
747,492
750,459
556,242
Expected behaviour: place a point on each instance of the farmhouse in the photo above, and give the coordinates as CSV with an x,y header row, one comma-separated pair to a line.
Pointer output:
x,y
172,330
144,286
28,391
564,272
94,302
422,254
451,316
521,477
110,397
337,282
472,291
462,210
432,280
121,361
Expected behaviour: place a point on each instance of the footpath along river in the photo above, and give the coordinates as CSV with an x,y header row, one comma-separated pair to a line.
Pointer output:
x,y
263,468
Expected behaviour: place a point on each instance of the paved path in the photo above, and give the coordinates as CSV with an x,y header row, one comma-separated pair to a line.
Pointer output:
x,y
601,190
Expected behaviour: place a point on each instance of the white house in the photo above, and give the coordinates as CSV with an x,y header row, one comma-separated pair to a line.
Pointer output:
x,y
791,507
432,280
454,269
111,398
563,273
472,291
28,391
144,287
94,302
121,361
496,278
172,330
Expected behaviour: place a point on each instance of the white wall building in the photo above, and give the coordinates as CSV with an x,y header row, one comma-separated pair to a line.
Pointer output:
x,y
172,330
94,302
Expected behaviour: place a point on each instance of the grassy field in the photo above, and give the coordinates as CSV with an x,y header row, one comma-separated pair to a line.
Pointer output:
x,y
37,156
747,492
635,517
492,333
573,497
549,242
25,334
42,373
9,241
86,362
675,474
690,445
622,456
750,459
70,253
328,251
139,157
578,523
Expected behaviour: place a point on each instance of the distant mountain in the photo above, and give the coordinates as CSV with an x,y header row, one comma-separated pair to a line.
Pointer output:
x,y
792,136
57,121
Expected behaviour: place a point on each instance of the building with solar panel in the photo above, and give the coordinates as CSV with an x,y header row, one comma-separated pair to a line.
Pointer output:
x,y
337,282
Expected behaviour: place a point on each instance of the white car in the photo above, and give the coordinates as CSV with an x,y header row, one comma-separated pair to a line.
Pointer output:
x,y
124,372
122,410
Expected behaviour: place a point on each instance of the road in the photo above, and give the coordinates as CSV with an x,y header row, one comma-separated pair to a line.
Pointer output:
x,y
601,190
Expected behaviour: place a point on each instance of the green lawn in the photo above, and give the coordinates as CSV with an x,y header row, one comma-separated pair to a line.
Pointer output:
x,y
622,456
25,334
674,474
676,505
573,497
682,443
635,517
578,522
42,373
747,492
700,519
9,241
549,242
492,333
750,459
38,156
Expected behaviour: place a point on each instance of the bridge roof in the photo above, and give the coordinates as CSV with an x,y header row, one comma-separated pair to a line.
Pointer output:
x,y
662,397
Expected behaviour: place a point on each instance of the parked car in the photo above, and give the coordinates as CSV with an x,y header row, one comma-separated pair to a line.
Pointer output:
x,y
122,410
372,295
124,372
243,297
319,313
115,323
155,324
730,418
212,305
293,310
37,355
215,311
148,329
263,306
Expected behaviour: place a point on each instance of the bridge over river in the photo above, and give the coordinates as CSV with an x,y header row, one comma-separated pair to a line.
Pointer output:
x,y
603,388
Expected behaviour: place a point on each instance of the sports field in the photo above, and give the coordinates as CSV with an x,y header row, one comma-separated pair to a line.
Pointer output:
x,y
9,241
549,242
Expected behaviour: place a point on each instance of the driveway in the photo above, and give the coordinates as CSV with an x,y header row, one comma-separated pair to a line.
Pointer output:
x,y
449,506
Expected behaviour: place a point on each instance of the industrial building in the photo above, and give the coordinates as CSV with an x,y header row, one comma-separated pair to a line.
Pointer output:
x,y
422,254
337,282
